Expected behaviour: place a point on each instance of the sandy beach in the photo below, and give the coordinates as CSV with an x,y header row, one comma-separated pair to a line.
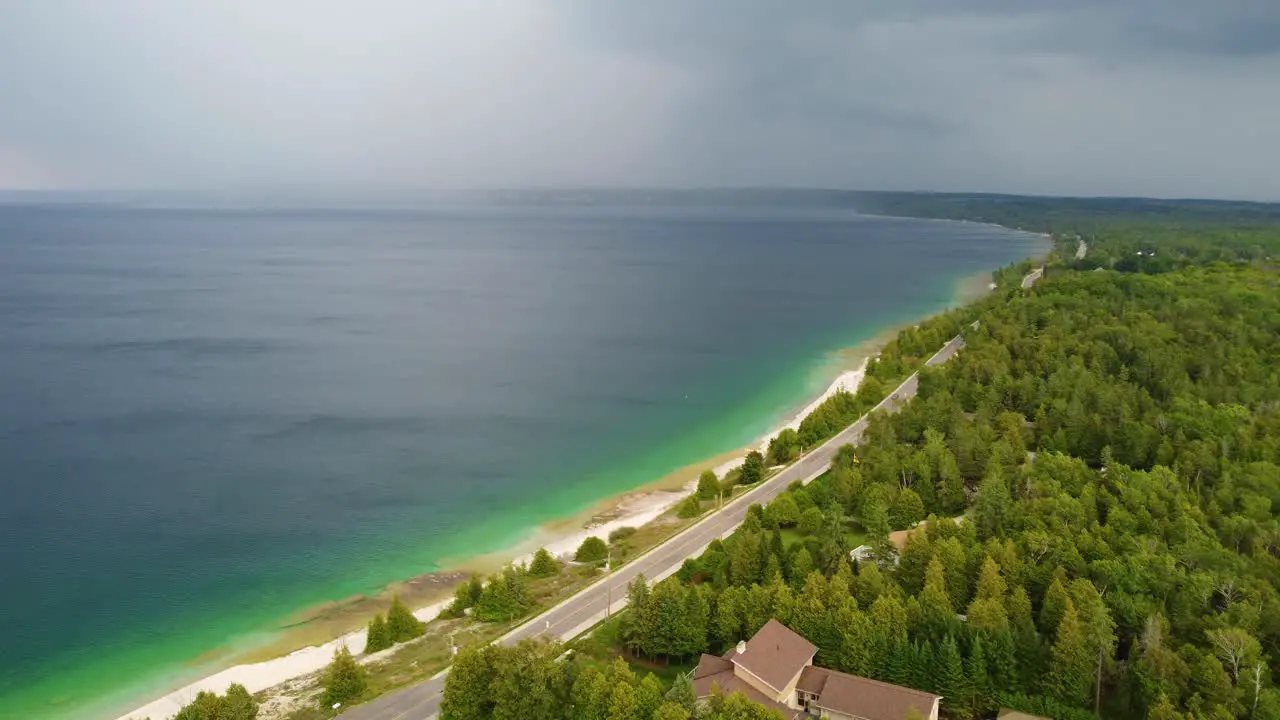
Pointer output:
x,y
632,509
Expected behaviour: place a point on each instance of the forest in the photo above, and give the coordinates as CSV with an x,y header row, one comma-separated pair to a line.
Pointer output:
x,y
1098,469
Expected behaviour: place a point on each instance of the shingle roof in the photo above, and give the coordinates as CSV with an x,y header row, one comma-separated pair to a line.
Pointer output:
x,y
717,672
775,654
863,697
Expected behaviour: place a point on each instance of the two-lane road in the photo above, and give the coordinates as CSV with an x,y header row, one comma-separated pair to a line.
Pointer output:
x,y
578,613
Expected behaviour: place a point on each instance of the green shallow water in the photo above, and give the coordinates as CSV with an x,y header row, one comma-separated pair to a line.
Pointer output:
x,y
333,403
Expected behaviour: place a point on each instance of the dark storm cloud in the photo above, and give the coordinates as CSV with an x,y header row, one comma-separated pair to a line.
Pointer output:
x,y
1168,97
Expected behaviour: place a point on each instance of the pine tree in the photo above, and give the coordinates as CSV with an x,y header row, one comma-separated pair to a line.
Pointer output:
x,y
708,485
237,704
623,705
377,638
543,564
950,677
401,624
1051,608
920,673
800,567
870,585
752,469
344,680
671,711
648,697
682,693
744,559
1071,665
691,638
981,690
726,627
936,613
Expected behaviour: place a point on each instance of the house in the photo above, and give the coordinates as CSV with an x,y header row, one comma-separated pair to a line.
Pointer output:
x,y
775,669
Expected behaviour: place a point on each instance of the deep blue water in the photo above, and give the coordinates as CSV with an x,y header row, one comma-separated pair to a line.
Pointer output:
x,y
209,420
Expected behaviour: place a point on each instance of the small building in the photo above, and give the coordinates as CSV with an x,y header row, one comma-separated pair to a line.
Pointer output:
x,y
775,669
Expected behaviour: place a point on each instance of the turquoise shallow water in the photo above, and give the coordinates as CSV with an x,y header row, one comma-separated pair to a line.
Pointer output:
x,y
215,419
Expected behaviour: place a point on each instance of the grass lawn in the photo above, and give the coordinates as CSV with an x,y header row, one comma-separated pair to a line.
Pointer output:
x,y
853,535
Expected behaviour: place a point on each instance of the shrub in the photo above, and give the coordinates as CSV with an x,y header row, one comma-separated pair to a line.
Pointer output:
x,y
811,521
690,508
621,533
344,680
591,550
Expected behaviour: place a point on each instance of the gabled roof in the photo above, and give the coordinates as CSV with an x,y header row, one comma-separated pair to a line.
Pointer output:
x,y
713,672
863,697
775,654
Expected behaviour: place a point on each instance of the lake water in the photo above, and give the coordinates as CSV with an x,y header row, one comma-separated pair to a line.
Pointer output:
x,y
212,419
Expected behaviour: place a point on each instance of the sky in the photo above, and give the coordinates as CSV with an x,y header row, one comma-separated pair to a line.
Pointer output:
x,y
1170,98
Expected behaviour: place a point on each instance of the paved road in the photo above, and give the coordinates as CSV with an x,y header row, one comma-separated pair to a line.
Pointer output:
x,y
580,612
1031,277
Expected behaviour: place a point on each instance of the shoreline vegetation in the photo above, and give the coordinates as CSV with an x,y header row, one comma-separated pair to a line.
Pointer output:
x,y
282,672
1111,440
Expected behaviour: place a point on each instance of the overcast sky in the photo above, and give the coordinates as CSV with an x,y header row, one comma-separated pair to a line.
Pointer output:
x,y
1147,97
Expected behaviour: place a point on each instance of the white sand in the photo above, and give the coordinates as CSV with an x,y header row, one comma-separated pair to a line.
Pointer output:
x,y
847,381
634,510
262,675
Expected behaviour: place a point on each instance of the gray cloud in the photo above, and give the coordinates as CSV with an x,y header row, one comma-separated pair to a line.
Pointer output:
x,y
1163,97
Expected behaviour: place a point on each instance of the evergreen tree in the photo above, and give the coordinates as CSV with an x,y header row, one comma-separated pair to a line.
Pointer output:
x,y
378,637
744,559
648,697
726,627
691,632
344,680
681,692
1052,607
936,613
1071,667
543,564
401,624
671,711
950,677
752,469
708,485
811,521
907,509
981,690
870,585
623,705
237,704
800,567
